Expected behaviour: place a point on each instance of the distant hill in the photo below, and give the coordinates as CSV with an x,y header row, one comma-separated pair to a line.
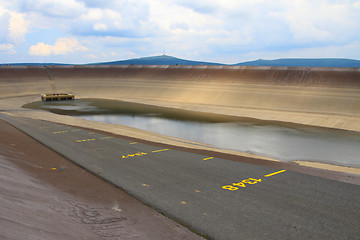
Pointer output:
x,y
286,62
304,62
169,60
157,60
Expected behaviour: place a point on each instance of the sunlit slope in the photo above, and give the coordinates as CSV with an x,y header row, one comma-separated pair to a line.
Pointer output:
x,y
316,96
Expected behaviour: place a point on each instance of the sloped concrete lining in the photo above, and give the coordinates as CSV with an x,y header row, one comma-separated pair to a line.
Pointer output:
x,y
326,97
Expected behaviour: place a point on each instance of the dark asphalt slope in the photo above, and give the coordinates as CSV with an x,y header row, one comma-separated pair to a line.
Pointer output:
x,y
217,198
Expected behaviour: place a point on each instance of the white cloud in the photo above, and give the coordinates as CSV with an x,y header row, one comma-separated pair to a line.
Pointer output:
x,y
4,26
204,29
166,15
54,8
94,14
329,51
118,18
7,48
18,27
62,46
100,27
14,25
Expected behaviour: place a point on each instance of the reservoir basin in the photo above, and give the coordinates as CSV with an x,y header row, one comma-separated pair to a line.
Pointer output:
x,y
283,141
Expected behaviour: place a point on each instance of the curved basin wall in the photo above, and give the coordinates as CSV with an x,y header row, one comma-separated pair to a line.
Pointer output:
x,y
334,91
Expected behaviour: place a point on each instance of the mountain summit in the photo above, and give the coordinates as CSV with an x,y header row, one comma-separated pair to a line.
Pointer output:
x,y
285,62
158,60
169,60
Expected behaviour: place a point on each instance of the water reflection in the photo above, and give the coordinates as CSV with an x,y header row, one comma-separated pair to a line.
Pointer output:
x,y
286,144
283,142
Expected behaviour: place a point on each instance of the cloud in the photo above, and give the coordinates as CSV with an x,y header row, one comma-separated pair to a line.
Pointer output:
x,y
115,18
7,48
273,23
4,26
100,27
202,29
18,27
62,46
54,8
14,26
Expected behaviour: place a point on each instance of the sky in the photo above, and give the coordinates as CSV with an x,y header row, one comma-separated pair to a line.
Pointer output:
x,y
226,31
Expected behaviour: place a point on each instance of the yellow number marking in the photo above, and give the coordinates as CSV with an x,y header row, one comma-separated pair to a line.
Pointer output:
x,y
74,130
240,184
250,181
86,140
91,139
60,132
230,188
133,155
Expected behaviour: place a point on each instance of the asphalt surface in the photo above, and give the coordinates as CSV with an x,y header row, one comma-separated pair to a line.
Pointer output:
x,y
45,196
214,197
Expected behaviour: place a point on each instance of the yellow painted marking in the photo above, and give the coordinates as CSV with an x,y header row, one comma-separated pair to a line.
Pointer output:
x,y
105,138
145,185
65,131
197,190
239,184
274,173
54,168
134,154
161,150
60,132
133,143
183,202
86,140
230,188
208,158
250,181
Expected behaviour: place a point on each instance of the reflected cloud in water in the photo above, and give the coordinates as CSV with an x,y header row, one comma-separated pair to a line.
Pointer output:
x,y
276,140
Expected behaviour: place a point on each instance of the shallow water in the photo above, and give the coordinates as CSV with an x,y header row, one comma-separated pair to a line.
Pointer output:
x,y
286,143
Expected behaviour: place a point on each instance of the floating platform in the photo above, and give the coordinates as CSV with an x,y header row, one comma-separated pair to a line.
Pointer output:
x,y
57,96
